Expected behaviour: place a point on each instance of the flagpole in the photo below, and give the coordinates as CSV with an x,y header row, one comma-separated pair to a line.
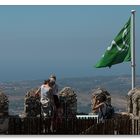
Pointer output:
x,y
133,47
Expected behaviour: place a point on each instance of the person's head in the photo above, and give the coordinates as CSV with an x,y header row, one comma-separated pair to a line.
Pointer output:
x,y
51,82
46,82
52,79
53,76
101,98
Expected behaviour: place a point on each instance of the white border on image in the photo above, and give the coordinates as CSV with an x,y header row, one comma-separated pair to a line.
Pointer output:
x,y
70,2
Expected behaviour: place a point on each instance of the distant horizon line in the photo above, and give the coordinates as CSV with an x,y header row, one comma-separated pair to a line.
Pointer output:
x,y
78,77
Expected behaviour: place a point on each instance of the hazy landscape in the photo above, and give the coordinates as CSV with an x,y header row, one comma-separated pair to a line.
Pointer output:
x,y
117,86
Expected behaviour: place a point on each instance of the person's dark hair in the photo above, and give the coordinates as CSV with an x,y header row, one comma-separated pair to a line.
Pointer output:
x,y
51,83
101,98
46,81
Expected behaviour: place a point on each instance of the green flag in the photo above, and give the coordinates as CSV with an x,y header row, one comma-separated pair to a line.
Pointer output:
x,y
119,50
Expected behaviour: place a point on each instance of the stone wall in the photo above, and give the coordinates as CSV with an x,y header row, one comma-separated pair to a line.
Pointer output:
x,y
4,104
68,100
4,113
133,100
67,97
31,104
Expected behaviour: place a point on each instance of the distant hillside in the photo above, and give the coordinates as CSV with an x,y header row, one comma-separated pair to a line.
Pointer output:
x,y
118,86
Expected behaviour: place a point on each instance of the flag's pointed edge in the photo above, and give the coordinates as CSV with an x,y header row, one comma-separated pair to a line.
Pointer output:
x,y
102,67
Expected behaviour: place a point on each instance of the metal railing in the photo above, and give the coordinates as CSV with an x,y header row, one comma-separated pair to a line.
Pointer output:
x,y
75,126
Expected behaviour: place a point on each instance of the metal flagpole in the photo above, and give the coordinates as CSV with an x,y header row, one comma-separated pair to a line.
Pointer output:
x,y
133,47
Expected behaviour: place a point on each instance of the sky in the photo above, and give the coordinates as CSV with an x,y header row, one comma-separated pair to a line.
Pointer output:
x,y
36,41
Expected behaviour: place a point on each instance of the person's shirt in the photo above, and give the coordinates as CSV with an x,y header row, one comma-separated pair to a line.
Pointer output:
x,y
44,92
102,111
55,89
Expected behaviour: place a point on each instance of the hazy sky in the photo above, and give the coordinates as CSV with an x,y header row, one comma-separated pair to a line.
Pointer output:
x,y
36,41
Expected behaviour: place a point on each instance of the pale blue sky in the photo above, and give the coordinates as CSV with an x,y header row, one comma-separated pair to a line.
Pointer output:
x,y
36,41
